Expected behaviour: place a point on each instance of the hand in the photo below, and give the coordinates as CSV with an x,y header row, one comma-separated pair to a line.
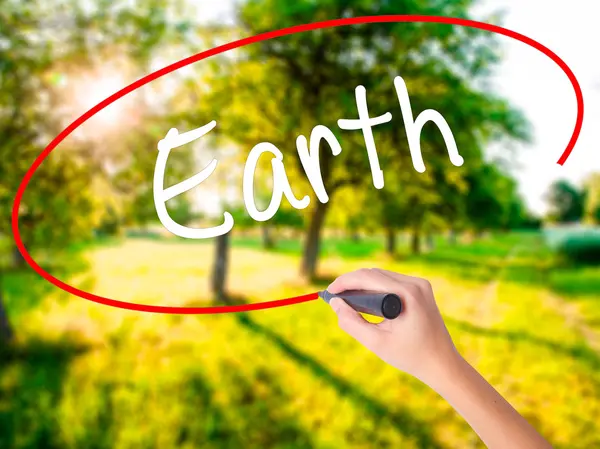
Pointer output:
x,y
417,342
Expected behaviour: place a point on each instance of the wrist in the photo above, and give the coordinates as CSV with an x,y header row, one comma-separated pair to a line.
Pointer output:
x,y
445,371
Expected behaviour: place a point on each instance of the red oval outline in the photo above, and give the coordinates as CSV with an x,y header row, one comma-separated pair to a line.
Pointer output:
x,y
230,46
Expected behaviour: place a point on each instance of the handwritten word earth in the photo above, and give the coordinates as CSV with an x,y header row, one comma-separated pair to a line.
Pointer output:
x,y
309,157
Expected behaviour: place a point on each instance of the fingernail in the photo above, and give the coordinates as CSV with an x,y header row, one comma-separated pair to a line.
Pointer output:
x,y
335,304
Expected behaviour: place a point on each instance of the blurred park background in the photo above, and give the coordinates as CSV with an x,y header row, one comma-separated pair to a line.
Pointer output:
x,y
519,288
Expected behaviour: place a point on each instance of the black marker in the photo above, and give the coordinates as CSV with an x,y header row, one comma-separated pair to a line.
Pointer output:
x,y
385,305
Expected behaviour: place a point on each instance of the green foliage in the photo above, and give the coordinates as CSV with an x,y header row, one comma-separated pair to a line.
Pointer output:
x,y
241,218
76,188
132,184
582,247
285,86
595,215
21,120
288,217
592,197
566,202
110,224
492,201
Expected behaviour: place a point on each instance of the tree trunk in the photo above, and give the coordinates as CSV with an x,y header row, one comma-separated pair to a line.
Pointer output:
x,y
416,242
6,333
312,243
18,259
219,274
390,241
267,237
430,242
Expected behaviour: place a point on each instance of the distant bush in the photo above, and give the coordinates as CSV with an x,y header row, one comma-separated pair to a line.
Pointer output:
x,y
529,223
584,247
110,224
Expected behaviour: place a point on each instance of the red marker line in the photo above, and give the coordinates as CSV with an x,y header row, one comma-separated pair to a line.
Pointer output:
x,y
230,46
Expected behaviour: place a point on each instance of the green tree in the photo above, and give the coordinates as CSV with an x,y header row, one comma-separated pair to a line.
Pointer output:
x,y
243,221
40,41
284,87
288,218
592,203
21,65
486,198
436,199
351,212
58,192
322,68
125,158
566,202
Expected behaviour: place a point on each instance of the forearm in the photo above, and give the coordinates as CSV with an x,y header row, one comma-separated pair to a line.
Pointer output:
x,y
496,422
419,344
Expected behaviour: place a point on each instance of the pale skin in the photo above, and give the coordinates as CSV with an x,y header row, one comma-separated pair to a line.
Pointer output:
x,y
418,343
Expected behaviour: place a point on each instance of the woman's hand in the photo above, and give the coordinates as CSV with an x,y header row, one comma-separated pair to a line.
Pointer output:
x,y
417,342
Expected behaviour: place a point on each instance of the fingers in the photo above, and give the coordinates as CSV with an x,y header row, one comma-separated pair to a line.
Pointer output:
x,y
363,279
372,279
354,324
417,286
399,276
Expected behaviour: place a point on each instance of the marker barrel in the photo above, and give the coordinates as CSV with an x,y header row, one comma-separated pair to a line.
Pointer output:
x,y
385,305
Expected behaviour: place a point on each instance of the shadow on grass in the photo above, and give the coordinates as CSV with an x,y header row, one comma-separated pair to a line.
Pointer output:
x,y
536,269
208,425
581,353
257,418
22,289
530,270
462,267
572,280
31,377
263,403
542,271
399,418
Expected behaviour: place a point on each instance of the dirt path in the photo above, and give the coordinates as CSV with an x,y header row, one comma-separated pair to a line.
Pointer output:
x,y
574,319
569,310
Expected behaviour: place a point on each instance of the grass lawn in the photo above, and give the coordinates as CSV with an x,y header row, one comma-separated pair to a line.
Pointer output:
x,y
86,375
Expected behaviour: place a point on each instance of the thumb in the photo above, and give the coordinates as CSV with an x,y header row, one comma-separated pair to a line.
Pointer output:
x,y
351,322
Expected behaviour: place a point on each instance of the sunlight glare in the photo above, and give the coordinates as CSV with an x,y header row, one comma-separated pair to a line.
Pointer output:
x,y
91,90
81,91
